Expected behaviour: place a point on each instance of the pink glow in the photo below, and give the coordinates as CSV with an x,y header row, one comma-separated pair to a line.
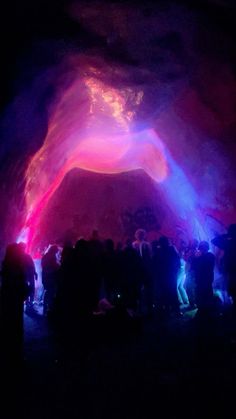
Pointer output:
x,y
90,128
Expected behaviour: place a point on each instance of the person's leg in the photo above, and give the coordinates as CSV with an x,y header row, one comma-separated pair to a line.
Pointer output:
x,y
179,294
182,291
190,290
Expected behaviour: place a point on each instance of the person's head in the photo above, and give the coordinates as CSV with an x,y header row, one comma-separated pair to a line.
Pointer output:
x,y
232,231
53,250
164,242
203,247
22,247
140,234
81,246
66,253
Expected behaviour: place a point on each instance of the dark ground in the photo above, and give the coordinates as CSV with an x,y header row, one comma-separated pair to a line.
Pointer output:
x,y
165,369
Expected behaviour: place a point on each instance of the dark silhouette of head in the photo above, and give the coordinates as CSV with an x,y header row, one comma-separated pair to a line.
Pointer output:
x,y
81,246
22,247
53,250
66,253
204,247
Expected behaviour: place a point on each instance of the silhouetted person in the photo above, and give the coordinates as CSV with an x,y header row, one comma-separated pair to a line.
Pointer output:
x,y
203,266
30,273
144,250
155,273
65,278
50,267
95,254
190,284
167,266
141,245
227,242
132,276
85,292
110,270
181,291
76,294
66,254
14,292
87,276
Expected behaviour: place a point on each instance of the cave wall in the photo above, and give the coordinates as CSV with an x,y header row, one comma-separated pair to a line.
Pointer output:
x,y
181,56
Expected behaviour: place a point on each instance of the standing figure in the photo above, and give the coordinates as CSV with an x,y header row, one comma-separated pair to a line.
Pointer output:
x,y
110,270
131,276
182,294
30,273
190,285
203,266
144,250
168,267
227,243
14,292
50,267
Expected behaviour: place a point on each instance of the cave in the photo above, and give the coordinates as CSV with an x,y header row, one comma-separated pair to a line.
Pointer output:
x,y
117,115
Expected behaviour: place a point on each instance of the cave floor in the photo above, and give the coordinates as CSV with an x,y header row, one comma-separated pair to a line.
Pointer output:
x,y
172,368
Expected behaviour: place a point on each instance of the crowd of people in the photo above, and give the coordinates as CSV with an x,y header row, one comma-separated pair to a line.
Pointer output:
x,y
94,276
139,275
